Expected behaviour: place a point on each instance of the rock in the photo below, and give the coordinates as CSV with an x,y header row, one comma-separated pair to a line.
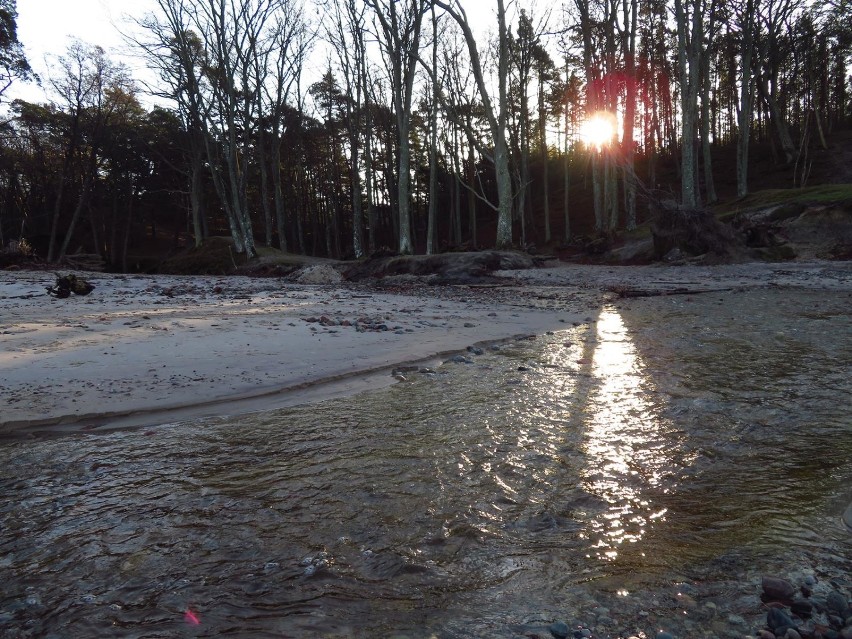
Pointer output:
x,y
792,634
674,255
778,620
847,517
765,634
802,608
809,581
836,603
559,629
318,274
474,350
846,633
777,589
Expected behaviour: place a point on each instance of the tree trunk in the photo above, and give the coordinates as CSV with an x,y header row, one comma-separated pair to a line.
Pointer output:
x,y
687,66
709,184
746,96
628,145
778,121
497,118
82,202
545,158
278,194
268,225
196,191
433,146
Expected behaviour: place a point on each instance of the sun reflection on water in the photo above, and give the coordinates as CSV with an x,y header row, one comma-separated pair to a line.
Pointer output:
x,y
622,443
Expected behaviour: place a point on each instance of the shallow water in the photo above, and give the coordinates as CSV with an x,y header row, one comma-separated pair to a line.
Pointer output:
x,y
675,445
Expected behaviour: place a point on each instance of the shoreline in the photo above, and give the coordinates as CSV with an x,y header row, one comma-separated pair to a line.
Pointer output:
x,y
146,350
140,351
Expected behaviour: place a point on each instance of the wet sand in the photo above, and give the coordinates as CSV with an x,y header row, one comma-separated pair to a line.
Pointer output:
x,y
142,350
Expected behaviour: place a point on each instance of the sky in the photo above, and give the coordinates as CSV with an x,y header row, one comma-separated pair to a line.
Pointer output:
x,y
45,28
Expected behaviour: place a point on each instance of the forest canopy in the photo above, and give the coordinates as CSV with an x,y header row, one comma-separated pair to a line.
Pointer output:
x,y
342,128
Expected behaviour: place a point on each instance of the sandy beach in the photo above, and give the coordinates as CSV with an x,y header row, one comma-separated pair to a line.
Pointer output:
x,y
143,350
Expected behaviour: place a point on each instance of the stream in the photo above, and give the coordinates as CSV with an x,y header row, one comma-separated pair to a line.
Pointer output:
x,y
636,472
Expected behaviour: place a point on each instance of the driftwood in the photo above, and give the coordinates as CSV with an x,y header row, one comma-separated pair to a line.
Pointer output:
x,y
624,292
67,284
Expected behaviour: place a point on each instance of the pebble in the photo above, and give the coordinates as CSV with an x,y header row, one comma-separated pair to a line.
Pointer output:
x,y
775,588
802,608
559,629
778,620
836,602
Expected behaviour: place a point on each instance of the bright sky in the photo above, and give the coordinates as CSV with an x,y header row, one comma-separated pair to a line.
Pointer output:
x,y
45,28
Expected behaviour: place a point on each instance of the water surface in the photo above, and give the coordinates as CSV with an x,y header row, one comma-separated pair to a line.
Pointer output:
x,y
672,445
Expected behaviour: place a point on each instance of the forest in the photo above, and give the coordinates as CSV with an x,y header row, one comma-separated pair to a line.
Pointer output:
x,y
347,128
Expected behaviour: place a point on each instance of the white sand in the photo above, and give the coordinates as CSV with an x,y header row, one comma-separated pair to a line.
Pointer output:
x,y
142,344
148,349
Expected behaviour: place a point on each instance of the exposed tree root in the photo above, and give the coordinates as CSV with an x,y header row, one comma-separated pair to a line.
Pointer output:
x,y
692,231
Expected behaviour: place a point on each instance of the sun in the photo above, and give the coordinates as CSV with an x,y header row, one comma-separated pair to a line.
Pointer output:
x,y
598,130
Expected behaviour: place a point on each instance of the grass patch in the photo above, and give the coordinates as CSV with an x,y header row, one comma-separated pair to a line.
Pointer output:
x,y
822,194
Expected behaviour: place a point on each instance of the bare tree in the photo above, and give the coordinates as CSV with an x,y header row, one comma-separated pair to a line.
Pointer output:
x,y
177,54
400,25
745,16
692,33
495,111
772,18
86,85
433,143
289,40
346,35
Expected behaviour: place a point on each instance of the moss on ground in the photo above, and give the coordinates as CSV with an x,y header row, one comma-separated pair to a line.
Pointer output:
x,y
840,194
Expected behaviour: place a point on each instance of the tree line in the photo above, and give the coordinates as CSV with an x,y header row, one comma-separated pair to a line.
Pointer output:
x,y
346,127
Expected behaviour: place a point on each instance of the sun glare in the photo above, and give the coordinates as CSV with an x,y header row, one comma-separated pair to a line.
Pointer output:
x,y
599,130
